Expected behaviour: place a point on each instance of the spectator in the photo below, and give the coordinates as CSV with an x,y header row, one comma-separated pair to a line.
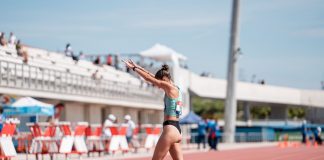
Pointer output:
x,y
2,118
130,128
21,52
309,135
127,70
218,134
81,56
202,126
109,60
12,39
75,57
97,77
3,41
58,111
111,120
117,62
68,50
211,124
317,135
304,131
97,60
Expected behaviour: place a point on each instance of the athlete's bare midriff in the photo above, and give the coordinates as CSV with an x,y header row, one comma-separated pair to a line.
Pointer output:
x,y
172,118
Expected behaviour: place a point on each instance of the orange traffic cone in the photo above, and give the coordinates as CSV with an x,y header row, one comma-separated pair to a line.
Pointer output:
x,y
298,144
286,144
308,144
295,144
281,145
315,145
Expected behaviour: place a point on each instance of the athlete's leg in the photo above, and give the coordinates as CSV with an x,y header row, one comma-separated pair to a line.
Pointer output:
x,y
169,136
176,151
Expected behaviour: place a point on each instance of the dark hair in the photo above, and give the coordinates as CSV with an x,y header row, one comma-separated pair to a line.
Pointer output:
x,y
164,71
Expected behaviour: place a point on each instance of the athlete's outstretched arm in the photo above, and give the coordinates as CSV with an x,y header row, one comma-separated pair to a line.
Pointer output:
x,y
149,77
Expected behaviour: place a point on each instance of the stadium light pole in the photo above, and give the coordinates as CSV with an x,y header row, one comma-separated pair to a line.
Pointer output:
x,y
234,51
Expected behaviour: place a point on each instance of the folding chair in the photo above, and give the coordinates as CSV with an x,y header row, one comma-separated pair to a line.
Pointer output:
x,y
94,140
118,139
73,143
43,143
150,137
6,145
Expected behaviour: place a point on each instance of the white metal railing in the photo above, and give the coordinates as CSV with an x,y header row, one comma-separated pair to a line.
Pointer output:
x,y
24,76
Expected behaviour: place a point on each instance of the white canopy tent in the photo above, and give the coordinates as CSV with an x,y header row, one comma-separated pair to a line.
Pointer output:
x,y
27,106
161,52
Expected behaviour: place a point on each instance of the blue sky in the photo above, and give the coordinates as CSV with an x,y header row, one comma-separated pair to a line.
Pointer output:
x,y
282,40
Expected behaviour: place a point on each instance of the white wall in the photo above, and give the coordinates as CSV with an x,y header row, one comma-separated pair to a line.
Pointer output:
x,y
94,114
216,88
74,112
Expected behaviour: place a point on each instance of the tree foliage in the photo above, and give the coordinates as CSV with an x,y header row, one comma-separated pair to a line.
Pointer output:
x,y
208,108
296,112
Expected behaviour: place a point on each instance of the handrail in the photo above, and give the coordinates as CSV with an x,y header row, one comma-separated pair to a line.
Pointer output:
x,y
24,76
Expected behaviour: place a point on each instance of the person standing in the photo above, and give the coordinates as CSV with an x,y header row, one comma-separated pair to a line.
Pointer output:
x,y
317,135
2,118
111,120
130,128
68,50
218,134
109,60
212,134
3,41
170,138
117,62
202,126
12,39
304,131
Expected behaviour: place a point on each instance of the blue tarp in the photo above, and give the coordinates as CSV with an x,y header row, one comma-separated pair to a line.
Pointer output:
x,y
190,118
28,106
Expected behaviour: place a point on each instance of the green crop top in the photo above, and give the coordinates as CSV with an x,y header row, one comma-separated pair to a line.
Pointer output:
x,y
173,106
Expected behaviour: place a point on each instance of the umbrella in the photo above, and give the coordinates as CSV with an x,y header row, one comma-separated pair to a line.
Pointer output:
x,y
190,118
28,106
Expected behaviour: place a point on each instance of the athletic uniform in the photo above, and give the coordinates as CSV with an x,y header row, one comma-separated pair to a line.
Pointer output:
x,y
173,107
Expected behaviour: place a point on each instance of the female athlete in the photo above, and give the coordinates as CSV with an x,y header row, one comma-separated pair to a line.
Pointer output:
x,y
171,136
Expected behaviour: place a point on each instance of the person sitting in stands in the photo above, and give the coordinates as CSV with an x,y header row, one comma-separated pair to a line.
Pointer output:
x,y
68,50
109,60
3,41
97,60
21,52
81,56
75,57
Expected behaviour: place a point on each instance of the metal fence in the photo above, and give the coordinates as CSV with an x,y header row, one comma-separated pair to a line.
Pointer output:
x,y
24,76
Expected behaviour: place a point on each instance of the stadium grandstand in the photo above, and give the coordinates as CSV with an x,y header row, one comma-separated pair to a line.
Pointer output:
x,y
57,78
90,92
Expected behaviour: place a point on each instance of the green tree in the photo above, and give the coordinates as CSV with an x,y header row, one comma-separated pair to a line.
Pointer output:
x,y
260,112
208,108
296,112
